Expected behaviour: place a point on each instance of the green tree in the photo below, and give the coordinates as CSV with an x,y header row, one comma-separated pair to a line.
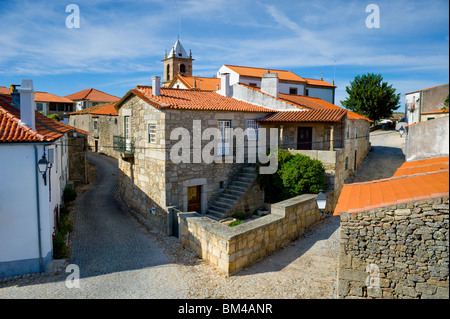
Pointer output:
x,y
446,103
369,96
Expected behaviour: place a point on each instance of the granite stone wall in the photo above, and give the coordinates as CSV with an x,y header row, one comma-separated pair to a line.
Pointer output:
x,y
400,251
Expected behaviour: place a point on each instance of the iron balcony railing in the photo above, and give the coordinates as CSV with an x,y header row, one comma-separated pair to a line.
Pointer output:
x,y
123,145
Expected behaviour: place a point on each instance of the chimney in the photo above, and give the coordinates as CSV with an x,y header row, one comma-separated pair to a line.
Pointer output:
x,y
156,85
225,88
27,104
269,84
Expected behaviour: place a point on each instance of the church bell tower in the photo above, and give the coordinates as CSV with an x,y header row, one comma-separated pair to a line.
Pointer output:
x,y
177,62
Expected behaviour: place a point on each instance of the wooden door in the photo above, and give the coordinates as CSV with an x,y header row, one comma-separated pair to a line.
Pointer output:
x,y
194,199
304,138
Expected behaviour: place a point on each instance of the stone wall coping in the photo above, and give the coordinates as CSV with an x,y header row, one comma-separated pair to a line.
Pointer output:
x,y
229,233
226,232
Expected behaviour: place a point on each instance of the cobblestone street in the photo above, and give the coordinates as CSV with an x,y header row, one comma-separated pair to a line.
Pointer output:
x,y
120,258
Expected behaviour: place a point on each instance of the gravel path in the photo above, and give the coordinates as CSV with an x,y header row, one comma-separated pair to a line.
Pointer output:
x,y
120,258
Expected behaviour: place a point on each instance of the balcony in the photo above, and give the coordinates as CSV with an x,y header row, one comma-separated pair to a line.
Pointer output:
x,y
123,145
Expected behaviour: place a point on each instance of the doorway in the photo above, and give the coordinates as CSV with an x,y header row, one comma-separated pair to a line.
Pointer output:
x,y
304,138
96,146
194,199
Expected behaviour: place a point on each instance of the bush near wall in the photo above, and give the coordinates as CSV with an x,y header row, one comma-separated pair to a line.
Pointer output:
x,y
296,175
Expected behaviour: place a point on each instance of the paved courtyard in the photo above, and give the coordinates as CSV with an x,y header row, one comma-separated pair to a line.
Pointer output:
x,y
120,258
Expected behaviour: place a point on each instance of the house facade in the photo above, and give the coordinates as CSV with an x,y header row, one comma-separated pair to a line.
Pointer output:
x,y
165,148
101,121
29,199
90,97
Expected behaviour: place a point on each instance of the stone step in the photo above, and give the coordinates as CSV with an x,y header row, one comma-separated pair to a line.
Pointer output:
x,y
215,214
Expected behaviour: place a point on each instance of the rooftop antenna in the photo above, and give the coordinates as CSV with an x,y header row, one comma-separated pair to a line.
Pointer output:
x,y
334,70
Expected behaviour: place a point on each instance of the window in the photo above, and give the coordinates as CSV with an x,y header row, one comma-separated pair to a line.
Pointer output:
x,y
306,92
293,91
430,118
152,133
346,163
95,125
224,144
221,185
252,127
39,107
182,68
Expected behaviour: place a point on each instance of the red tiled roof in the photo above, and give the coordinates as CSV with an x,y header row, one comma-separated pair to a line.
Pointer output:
x,y
318,83
317,103
417,180
92,95
259,72
40,96
322,115
102,109
107,109
436,112
196,82
48,97
194,100
47,130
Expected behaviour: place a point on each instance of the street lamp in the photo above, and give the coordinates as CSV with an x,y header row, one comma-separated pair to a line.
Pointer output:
x,y
43,166
321,200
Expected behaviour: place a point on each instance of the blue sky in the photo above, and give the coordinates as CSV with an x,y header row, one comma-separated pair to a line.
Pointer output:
x,y
120,44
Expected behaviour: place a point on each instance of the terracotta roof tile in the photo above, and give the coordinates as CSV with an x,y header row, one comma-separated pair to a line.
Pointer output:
x,y
92,95
416,180
11,131
196,82
259,72
318,83
195,100
104,108
40,96
317,103
322,115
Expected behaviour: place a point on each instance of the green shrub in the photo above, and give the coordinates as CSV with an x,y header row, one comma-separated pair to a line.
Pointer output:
x,y
60,249
296,175
239,215
302,175
69,194
54,117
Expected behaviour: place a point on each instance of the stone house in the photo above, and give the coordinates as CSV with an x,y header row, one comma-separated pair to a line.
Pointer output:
x,y
29,197
154,176
101,121
394,234
90,97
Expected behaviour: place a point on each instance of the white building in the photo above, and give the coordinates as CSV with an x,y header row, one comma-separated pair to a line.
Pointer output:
x,y
29,200
289,82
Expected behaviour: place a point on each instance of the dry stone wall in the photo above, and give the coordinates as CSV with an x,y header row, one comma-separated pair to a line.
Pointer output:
x,y
400,251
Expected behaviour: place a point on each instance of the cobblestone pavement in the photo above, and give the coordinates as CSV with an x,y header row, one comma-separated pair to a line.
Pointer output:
x,y
119,257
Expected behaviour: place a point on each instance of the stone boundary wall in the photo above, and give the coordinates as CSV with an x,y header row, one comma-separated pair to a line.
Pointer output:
x,y
400,251
230,249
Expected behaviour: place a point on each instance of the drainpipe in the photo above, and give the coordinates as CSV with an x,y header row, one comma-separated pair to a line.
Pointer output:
x,y
41,264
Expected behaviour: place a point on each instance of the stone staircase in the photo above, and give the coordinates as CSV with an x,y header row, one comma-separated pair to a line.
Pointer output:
x,y
219,207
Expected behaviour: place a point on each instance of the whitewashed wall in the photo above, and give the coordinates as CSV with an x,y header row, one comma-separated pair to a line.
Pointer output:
x,y
19,250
